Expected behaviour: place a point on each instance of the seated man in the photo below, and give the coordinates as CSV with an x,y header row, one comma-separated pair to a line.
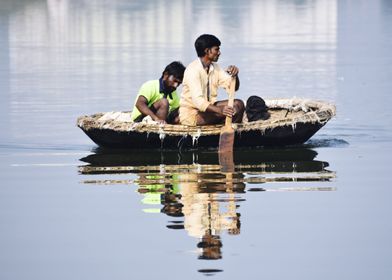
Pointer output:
x,y
202,78
158,98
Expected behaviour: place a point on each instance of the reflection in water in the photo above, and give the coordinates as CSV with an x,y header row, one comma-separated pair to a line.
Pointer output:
x,y
58,20
192,188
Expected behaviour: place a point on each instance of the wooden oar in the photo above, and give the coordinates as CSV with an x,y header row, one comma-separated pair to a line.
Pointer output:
x,y
226,140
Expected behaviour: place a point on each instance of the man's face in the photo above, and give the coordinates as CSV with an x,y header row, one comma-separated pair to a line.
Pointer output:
x,y
213,53
172,82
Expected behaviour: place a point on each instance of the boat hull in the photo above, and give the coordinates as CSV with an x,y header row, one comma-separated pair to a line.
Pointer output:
x,y
291,122
278,136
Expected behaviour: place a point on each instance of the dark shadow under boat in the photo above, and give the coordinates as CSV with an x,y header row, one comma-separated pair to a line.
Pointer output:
x,y
292,159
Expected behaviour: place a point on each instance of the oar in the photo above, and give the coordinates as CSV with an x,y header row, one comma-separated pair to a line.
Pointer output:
x,y
226,140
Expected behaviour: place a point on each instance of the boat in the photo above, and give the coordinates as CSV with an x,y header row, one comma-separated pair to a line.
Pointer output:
x,y
291,122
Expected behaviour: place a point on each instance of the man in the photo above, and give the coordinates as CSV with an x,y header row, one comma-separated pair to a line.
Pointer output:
x,y
202,78
158,98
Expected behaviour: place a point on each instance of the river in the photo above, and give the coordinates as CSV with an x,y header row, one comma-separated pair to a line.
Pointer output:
x,y
71,210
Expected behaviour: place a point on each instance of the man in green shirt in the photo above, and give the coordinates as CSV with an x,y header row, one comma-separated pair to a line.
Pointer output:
x,y
158,98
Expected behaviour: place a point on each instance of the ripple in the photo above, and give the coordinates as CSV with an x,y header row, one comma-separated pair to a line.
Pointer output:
x,y
209,271
331,142
44,147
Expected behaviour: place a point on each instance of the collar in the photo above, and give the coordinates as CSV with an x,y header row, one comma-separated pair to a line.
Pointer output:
x,y
211,67
164,90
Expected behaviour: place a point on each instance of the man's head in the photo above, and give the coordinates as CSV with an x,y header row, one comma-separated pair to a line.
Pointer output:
x,y
173,74
208,45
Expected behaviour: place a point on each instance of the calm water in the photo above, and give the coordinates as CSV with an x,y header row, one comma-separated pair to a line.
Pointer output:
x,y
69,210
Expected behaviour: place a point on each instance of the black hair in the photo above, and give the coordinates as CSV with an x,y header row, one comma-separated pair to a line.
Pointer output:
x,y
176,68
205,41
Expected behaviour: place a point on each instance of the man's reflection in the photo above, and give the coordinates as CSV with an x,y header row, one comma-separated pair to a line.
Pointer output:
x,y
209,208
203,198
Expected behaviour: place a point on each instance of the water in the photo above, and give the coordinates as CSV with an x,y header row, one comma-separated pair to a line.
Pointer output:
x,y
71,211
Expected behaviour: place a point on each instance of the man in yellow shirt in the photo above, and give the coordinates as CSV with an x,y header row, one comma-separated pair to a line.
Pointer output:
x,y
202,78
158,98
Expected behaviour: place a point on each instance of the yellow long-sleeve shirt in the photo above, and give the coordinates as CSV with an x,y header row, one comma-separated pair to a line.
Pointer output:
x,y
200,89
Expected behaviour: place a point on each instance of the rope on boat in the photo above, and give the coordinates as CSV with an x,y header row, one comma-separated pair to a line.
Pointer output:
x,y
283,112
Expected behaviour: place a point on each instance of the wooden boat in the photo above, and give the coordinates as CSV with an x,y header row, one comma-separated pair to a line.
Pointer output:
x,y
292,121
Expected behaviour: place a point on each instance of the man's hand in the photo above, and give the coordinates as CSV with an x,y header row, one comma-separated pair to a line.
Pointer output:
x,y
232,70
228,111
158,120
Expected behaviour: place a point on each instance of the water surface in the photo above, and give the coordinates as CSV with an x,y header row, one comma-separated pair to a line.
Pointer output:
x,y
69,210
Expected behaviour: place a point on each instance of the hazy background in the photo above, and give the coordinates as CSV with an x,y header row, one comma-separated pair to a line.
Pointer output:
x,y
60,59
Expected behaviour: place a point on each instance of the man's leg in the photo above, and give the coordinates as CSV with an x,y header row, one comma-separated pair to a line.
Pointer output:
x,y
204,118
239,108
160,108
173,117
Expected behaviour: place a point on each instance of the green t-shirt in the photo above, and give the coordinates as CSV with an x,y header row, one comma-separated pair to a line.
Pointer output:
x,y
150,90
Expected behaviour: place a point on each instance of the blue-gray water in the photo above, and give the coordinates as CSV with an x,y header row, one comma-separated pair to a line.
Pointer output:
x,y
71,211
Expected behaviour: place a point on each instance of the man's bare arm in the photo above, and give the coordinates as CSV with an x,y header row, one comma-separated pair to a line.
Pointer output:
x,y
142,106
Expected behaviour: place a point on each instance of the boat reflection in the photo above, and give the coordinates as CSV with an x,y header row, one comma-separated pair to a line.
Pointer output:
x,y
199,197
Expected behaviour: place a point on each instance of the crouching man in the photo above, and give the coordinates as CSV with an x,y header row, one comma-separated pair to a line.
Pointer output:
x,y
158,98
